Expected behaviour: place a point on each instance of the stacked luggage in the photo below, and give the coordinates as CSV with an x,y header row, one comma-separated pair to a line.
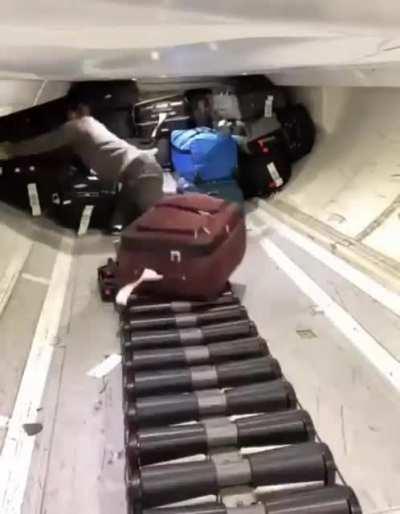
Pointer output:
x,y
196,130
235,140
57,183
208,411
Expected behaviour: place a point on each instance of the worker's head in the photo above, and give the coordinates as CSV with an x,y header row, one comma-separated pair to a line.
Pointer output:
x,y
77,109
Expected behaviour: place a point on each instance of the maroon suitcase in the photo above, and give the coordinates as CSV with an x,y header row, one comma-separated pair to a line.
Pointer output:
x,y
193,241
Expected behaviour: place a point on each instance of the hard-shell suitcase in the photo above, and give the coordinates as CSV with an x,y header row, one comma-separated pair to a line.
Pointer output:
x,y
266,169
298,129
191,244
158,117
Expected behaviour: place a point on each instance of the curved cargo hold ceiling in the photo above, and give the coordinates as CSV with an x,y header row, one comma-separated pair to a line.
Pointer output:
x,y
67,40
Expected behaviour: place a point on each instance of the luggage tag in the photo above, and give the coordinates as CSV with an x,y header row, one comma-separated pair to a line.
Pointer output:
x,y
268,106
277,179
85,219
34,199
148,275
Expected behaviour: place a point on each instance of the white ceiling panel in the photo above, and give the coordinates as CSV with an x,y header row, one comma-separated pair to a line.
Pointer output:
x,y
70,40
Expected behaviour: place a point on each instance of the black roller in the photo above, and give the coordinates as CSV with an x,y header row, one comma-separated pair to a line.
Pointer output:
x,y
259,369
262,397
169,409
190,336
307,462
144,301
202,508
335,499
153,486
148,446
197,319
177,307
194,355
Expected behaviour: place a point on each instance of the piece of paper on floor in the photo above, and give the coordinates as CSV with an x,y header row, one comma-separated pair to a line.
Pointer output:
x,y
105,366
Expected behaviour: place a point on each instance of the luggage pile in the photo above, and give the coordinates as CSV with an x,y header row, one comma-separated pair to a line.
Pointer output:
x,y
208,411
58,183
236,140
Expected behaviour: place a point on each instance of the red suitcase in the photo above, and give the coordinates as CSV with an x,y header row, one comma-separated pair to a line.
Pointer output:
x,y
194,242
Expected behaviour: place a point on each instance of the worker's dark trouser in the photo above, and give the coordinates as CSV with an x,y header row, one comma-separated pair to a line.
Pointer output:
x,y
142,187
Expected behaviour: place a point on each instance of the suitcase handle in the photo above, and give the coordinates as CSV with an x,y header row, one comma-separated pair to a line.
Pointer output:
x,y
187,208
194,203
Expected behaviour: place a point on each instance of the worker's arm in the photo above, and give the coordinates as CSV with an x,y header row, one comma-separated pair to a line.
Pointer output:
x,y
61,137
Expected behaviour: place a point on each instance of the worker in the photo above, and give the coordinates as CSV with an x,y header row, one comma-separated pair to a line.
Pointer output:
x,y
109,156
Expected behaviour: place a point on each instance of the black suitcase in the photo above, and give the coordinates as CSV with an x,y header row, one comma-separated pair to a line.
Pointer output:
x,y
103,95
34,121
158,117
298,129
29,182
266,169
249,98
83,201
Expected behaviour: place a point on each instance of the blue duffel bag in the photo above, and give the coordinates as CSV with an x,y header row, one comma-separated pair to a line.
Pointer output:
x,y
203,155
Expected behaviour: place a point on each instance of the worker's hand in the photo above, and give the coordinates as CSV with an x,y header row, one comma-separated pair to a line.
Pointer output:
x,y
5,151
